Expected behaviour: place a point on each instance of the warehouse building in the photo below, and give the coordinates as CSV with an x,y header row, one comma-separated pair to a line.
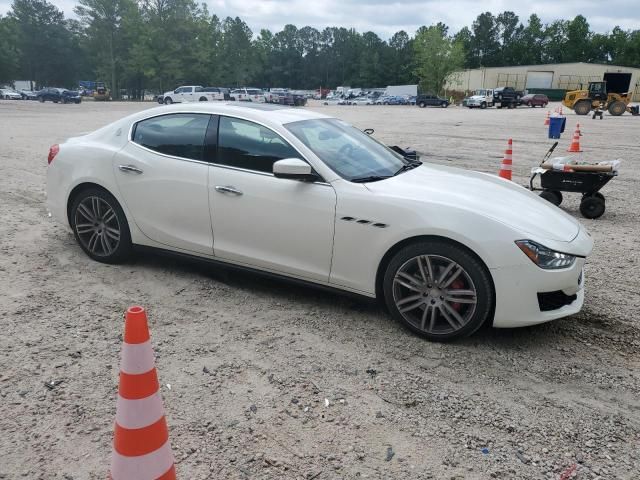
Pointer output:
x,y
551,79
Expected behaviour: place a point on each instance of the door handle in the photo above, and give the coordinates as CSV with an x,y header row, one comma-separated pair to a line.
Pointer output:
x,y
228,189
130,169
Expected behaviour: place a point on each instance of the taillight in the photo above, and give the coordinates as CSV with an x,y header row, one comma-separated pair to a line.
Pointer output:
x,y
53,151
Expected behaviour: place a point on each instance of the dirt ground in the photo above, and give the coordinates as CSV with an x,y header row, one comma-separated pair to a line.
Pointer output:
x,y
248,364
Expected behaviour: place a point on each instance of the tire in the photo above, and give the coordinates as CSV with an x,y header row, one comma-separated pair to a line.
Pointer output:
x,y
592,206
168,101
41,99
444,104
617,108
90,233
599,195
462,272
483,105
55,101
529,105
582,107
499,106
203,99
422,104
160,100
552,196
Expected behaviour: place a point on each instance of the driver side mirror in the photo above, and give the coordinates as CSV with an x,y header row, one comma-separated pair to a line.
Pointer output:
x,y
294,169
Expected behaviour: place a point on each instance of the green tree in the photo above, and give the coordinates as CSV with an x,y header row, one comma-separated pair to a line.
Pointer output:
x,y
9,59
437,57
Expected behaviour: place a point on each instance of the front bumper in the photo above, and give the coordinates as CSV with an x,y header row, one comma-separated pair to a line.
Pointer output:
x,y
518,303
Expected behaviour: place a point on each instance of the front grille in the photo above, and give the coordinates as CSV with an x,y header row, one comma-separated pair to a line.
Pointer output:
x,y
554,300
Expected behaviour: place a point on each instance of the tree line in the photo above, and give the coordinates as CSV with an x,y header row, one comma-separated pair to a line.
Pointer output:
x,y
155,45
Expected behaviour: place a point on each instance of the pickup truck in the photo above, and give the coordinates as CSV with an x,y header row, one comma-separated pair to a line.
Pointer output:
x,y
506,97
189,93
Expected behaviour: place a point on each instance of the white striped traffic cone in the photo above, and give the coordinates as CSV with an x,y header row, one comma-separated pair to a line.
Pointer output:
x,y
507,162
141,448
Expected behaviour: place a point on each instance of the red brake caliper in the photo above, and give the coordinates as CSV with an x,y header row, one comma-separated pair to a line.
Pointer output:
x,y
457,284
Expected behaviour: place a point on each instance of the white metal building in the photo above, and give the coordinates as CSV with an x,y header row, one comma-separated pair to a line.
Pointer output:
x,y
561,76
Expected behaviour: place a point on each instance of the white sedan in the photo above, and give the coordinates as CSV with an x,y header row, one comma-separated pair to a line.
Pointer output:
x,y
302,195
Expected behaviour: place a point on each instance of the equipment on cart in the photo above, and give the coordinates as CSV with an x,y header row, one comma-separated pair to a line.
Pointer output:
x,y
564,175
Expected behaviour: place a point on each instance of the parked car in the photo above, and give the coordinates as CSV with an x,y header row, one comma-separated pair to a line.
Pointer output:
x,y
9,94
396,100
28,94
248,95
506,97
59,95
534,100
222,93
363,101
191,93
430,100
326,204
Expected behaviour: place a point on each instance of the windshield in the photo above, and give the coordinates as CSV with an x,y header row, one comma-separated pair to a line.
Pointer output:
x,y
349,152
480,92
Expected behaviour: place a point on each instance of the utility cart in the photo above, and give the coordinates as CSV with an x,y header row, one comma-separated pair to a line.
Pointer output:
x,y
557,176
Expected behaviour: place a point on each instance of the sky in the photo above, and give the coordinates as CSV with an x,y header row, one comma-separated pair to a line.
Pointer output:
x,y
385,17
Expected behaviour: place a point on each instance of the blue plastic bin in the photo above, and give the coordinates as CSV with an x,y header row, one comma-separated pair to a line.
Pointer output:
x,y
556,126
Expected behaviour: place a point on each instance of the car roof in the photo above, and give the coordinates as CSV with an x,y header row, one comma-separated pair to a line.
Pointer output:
x,y
249,110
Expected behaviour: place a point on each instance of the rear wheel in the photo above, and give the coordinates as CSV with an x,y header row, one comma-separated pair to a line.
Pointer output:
x,y
552,196
168,101
438,290
422,104
617,108
592,206
203,99
583,107
444,104
100,226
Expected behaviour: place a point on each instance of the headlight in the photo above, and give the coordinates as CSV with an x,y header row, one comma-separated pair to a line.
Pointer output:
x,y
545,257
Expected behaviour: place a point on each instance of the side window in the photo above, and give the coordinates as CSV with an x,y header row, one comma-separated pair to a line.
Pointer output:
x,y
179,135
245,144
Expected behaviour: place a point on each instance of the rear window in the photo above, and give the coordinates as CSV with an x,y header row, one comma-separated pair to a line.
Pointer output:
x,y
178,135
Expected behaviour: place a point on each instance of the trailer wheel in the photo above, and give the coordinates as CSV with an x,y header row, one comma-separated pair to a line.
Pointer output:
x,y
582,107
592,206
617,108
552,196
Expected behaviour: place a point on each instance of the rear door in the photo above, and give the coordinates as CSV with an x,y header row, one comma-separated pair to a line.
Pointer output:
x,y
162,174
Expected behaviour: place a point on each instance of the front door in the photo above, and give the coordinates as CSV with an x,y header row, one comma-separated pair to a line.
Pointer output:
x,y
162,176
259,220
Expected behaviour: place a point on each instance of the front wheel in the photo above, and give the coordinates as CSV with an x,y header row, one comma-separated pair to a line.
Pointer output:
x,y
483,105
41,99
168,101
438,290
422,104
100,226
444,104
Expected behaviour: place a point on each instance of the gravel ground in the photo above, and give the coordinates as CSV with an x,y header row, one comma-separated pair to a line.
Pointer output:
x,y
265,380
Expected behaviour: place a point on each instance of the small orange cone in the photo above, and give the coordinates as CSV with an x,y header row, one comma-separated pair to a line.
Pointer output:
x,y
547,120
575,143
141,448
507,162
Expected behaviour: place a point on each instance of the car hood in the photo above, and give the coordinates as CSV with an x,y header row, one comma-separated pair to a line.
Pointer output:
x,y
476,97
484,194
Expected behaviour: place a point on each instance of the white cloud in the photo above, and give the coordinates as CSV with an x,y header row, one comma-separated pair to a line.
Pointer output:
x,y
387,17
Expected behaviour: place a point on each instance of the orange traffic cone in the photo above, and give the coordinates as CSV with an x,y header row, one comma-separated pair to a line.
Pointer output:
x,y
505,168
141,448
575,143
547,120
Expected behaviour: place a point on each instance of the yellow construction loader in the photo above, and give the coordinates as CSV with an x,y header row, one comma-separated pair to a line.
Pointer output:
x,y
101,93
596,98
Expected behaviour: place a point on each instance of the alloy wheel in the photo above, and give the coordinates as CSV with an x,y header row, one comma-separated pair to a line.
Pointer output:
x,y
97,226
434,294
